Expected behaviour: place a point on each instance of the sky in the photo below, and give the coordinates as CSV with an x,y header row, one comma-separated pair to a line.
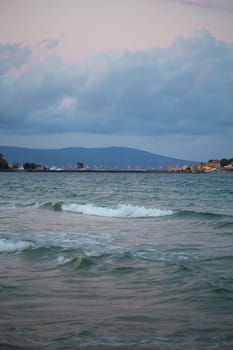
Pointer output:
x,y
155,75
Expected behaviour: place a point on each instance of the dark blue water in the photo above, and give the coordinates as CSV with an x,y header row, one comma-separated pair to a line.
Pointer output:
x,y
116,261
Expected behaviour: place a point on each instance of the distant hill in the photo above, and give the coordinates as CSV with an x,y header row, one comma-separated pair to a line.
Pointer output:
x,y
111,157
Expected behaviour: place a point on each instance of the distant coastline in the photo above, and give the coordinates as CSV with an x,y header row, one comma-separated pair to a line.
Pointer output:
x,y
102,160
112,171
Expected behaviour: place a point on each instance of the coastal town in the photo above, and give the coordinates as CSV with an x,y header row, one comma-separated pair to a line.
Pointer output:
x,y
216,165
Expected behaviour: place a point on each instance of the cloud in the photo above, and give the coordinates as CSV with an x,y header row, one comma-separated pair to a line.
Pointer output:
x,y
50,43
222,5
183,89
13,56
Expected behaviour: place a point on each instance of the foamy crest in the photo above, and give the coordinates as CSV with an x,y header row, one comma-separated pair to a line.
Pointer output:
x,y
63,260
9,246
119,211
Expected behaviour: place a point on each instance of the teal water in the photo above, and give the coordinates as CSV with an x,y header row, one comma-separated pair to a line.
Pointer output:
x,y
116,261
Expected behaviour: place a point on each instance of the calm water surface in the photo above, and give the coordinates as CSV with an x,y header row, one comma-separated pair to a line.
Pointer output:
x,y
116,261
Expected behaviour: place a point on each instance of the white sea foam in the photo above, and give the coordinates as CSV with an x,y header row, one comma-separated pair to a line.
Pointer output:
x,y
9,245
14,206
119,211
63,260
7,206
165,256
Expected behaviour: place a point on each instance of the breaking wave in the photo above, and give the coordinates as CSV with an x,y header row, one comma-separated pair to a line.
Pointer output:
x,y
115,211
118,211
76,262
12,246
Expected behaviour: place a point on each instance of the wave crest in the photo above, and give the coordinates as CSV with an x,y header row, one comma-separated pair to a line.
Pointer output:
x,y
75,262
119,211
12,246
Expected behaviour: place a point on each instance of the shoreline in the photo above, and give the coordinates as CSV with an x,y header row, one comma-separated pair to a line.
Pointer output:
x,y
144,171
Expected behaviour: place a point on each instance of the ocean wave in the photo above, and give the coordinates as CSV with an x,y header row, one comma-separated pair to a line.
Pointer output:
x,y
159,342
12,246
156,255
225,225
51,205
201,214
75,261
118,211
14,206
7,206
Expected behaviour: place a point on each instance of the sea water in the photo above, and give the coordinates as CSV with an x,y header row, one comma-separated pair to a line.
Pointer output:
x,y
116,261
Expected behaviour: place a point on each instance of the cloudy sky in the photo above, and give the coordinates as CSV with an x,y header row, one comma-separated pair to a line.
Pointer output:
x,y
150,74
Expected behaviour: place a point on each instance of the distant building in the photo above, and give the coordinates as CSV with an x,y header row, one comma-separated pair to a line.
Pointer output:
x,y
229,166
80,165
214,164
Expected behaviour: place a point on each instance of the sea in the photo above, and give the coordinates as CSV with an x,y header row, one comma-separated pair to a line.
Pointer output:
x,y
116,261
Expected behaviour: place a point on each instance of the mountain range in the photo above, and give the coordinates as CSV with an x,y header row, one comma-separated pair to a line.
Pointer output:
x,y
110,157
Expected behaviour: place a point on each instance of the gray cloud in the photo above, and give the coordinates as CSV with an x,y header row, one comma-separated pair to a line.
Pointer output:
x,y
184,89
222,5
50,43
13,56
